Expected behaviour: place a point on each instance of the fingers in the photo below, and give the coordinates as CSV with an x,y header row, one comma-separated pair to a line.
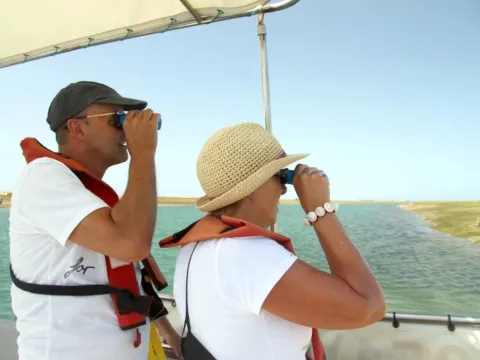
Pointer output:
x,y
146,114
312,186
154,120
314,172
140,114
302,169
143,115
151,117
140,128
131,114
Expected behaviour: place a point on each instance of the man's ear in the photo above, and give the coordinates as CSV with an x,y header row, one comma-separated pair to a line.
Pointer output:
x,y
76,128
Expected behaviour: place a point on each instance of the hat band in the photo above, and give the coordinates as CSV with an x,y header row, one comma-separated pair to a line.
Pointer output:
x,y
282,155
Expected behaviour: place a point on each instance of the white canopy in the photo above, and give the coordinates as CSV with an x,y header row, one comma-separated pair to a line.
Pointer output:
x,y
31,29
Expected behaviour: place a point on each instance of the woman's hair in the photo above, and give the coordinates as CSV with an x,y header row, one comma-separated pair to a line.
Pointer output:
x,y
229,210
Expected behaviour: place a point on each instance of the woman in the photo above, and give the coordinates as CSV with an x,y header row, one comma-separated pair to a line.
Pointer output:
x,y
249,296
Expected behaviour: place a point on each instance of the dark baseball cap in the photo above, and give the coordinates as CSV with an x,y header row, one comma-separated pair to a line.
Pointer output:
x,y
77,96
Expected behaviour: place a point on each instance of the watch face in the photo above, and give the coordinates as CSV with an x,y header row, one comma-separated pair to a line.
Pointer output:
x,y
329,207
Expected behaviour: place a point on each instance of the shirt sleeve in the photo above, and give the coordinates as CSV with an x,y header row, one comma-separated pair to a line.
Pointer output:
x,y
53,199
248,269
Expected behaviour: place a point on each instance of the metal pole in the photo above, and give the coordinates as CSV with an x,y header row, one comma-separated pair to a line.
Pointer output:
x,y
262,36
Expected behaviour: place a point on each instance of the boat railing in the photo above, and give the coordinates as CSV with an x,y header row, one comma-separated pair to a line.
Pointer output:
x,y
398,317
394,318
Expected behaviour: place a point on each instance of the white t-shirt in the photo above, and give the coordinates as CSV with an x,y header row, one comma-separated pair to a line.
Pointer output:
x,y
229,280
47,204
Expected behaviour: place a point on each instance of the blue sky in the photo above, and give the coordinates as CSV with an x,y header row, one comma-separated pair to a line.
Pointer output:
x,y
384,95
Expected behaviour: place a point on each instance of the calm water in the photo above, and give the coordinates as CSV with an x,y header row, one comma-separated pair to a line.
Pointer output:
x,y
420,270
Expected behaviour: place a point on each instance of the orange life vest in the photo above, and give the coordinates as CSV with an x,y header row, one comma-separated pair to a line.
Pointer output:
x,y
131,308
213,227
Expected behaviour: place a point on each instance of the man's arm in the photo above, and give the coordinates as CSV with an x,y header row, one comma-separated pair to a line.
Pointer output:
x,y
126,230
55,200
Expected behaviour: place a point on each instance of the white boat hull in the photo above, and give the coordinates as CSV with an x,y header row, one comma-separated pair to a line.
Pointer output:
x,y
8,340
415,341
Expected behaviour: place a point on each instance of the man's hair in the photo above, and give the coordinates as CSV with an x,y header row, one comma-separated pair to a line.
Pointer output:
x,y
61,135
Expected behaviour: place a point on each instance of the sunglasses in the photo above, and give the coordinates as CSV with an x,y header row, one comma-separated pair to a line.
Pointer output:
x,y
118,120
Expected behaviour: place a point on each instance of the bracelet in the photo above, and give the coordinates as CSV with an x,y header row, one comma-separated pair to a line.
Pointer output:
x,y
319,212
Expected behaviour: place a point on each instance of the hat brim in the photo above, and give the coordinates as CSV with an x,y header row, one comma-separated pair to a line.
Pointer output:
x,y
127,103
247,186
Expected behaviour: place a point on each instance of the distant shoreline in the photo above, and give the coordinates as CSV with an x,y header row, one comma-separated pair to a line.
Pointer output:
x,y
456,218
170,201
188,201
460,219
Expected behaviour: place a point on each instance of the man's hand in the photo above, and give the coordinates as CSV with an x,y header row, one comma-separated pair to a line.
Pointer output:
x,y
141,132
172,338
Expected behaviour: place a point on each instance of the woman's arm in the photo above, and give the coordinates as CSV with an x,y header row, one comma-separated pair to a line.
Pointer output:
x,y
350,297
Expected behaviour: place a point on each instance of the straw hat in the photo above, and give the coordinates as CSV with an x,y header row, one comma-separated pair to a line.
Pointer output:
x,y
236,161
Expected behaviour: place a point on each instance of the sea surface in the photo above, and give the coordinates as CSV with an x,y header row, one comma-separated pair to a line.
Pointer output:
x,y
419,269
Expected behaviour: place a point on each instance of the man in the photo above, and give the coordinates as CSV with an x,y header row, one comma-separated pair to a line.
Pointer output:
x,y
68,228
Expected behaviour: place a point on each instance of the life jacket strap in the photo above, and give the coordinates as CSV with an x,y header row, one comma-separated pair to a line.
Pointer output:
x,y
154,273
147,305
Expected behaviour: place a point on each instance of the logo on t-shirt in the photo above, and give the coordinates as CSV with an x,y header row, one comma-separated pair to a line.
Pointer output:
x,y
78,267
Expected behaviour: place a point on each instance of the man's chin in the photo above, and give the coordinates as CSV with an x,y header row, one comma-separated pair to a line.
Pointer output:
x,y
124,154
120,159
124,159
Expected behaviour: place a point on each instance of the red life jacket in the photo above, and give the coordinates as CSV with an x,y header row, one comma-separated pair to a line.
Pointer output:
x,y
213,227
123,284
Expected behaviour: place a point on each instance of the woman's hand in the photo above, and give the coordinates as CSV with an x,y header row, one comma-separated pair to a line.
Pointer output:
x,y
311,186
